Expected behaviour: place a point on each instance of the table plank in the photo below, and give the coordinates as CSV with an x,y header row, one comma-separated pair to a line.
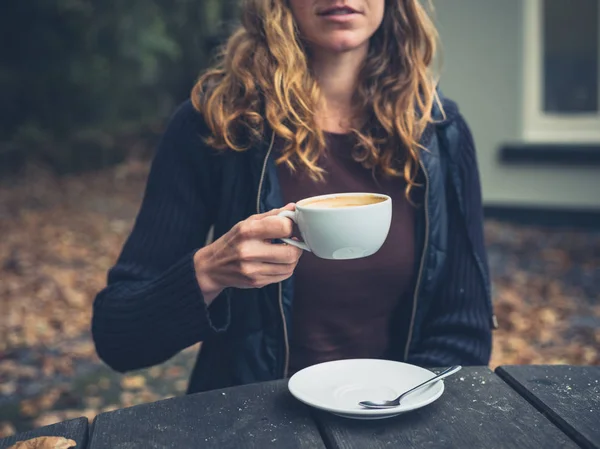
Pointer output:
x,y
476,410
568,395
75,429
253,416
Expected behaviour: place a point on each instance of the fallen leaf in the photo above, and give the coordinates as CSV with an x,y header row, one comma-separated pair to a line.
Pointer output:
x,y
48,419
110,408
133,382
7,429
45,443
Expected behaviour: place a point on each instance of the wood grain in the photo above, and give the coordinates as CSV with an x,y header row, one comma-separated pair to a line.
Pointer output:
x,y
252,416
568,395
477,410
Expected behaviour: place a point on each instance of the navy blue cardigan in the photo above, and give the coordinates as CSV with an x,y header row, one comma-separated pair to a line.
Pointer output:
x,y
152,307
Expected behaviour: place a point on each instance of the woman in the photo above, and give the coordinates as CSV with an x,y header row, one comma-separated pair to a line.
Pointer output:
x,y
311,97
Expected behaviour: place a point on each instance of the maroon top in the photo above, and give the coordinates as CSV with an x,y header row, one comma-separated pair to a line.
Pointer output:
x,y
342,308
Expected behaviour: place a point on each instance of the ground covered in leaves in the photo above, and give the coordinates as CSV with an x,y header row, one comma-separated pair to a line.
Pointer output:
x,y
60,235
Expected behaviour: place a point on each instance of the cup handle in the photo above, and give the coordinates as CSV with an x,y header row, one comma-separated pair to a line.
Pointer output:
x,y
292,216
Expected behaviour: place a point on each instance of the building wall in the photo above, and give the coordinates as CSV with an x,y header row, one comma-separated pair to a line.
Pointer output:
x,y
482,57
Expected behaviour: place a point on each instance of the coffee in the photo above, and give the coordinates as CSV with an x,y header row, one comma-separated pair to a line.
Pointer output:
x,y
333,227
335,202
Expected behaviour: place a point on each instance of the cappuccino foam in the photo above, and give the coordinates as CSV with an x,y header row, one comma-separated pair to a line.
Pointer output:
x,y
343,201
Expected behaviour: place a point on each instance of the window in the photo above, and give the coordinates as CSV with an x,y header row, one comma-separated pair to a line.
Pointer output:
x,y
562,71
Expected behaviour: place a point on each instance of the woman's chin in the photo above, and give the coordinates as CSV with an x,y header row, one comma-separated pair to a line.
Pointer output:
x,y
343,45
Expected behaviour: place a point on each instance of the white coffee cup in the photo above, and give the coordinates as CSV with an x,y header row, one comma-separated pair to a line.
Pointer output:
x,y
342,226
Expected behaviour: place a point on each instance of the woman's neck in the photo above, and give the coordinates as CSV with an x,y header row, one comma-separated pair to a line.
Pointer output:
x,y
337,75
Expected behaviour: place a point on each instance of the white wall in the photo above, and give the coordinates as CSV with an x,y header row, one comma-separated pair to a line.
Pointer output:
x,y
482,51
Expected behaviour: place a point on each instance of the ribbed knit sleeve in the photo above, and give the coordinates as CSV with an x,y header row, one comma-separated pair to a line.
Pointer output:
x,y
457,329
152,306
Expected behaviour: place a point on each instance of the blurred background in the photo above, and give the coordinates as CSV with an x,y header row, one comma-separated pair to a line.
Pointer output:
x,y
86,87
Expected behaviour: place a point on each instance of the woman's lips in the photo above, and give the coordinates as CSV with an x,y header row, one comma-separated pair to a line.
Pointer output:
x,y
338,14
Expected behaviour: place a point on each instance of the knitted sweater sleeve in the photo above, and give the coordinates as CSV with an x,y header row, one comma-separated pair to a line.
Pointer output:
x,y
457,328
152,306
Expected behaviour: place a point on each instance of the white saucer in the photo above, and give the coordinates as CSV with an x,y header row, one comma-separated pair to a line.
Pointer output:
x,y
339,386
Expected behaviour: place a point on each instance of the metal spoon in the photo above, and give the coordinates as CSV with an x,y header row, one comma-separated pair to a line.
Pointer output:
x,y
396,402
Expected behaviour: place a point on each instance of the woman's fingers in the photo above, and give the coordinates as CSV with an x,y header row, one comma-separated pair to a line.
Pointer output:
x,y
267,228
273,212
265,252
244,257
258,270
259,274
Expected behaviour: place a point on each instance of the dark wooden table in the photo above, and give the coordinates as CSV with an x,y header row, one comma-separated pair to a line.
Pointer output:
x,y
477,410
75,429
253,416
568,395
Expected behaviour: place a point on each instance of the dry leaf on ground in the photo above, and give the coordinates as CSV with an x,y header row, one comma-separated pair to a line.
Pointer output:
x,y
133,382
7,429
45,443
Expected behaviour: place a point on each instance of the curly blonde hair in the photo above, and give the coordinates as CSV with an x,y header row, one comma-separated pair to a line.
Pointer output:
x,y
263,74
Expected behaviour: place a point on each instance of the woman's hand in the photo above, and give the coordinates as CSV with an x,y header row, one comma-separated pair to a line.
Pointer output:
x,y
245,258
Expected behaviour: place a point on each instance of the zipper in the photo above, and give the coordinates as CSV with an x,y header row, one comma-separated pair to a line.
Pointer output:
x,y
285,332
423,255
280,285
262,174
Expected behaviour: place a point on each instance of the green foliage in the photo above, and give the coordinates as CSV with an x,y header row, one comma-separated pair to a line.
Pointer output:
x,y
71,66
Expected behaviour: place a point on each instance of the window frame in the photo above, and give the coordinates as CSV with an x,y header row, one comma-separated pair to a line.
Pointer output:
x,y
539,125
